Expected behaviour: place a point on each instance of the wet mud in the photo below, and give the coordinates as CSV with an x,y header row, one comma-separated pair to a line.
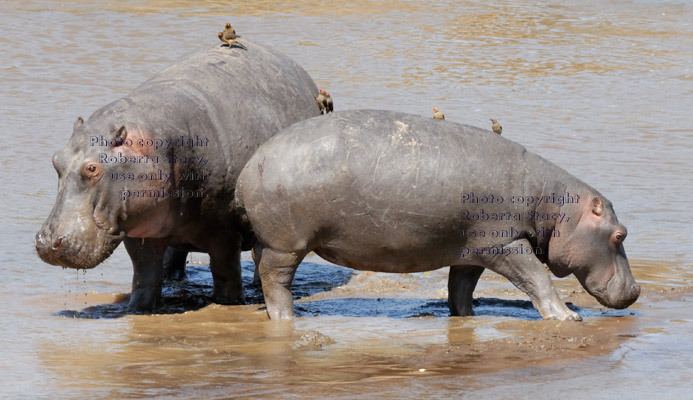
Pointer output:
x,y
351,327
195,291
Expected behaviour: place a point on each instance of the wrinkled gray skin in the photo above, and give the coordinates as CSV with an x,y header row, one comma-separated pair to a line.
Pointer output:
x,y
236,98
382,191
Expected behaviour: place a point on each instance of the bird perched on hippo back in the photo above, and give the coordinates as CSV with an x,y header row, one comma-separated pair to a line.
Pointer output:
x,y
496,126
437,114
229,36
321,101
329,105
324,101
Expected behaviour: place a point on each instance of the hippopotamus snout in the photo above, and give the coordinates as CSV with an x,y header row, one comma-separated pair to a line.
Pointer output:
x,y
48,246
632,294
613,287
56,249
617,295
73,250
41,243
45,248
621,291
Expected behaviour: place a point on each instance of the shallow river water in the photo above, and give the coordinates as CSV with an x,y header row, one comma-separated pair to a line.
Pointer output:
x,y
603,89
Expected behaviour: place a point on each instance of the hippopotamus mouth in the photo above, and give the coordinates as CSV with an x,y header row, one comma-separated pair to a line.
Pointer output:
x,y
618,293
78,234
79,251
620,296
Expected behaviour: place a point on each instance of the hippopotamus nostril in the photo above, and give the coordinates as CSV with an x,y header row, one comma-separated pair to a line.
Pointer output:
x,y
635,289
57,243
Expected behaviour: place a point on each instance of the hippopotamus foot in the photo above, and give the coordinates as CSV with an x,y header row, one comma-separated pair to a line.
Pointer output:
x,y
528,274
461,283
277,271
222,294
225,264
559,311
228,292
174,264
144,299
147,257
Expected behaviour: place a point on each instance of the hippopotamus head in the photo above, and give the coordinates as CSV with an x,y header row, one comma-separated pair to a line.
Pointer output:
x,y
91,214
589,245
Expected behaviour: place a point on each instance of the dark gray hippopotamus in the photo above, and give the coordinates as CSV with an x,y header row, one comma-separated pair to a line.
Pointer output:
x,y
392,192
158,167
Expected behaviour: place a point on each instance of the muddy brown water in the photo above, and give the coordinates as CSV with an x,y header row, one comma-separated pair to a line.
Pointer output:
x,y
604,89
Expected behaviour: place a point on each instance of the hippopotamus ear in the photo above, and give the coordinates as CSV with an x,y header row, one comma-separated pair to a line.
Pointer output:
x,y
78,123
120,135
597,207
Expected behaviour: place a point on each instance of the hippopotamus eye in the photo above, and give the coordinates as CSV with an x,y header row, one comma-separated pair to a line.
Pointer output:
x,y
91,170
619,237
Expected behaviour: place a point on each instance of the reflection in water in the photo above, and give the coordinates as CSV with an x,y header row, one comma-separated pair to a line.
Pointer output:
x,y
602,89
237,348
336,340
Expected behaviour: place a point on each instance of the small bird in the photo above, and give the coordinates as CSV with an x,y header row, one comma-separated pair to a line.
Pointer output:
x,y
329,105
496,126
321,101
229,36
437,114
324,101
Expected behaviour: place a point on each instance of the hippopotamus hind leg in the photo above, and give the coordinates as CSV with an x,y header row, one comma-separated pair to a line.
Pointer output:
x,y
277,271
174,264
461,283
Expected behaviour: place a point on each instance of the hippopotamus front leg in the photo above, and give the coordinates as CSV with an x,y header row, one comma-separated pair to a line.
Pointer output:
x,y
147,260
461,283
277,271
519,265
225,264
